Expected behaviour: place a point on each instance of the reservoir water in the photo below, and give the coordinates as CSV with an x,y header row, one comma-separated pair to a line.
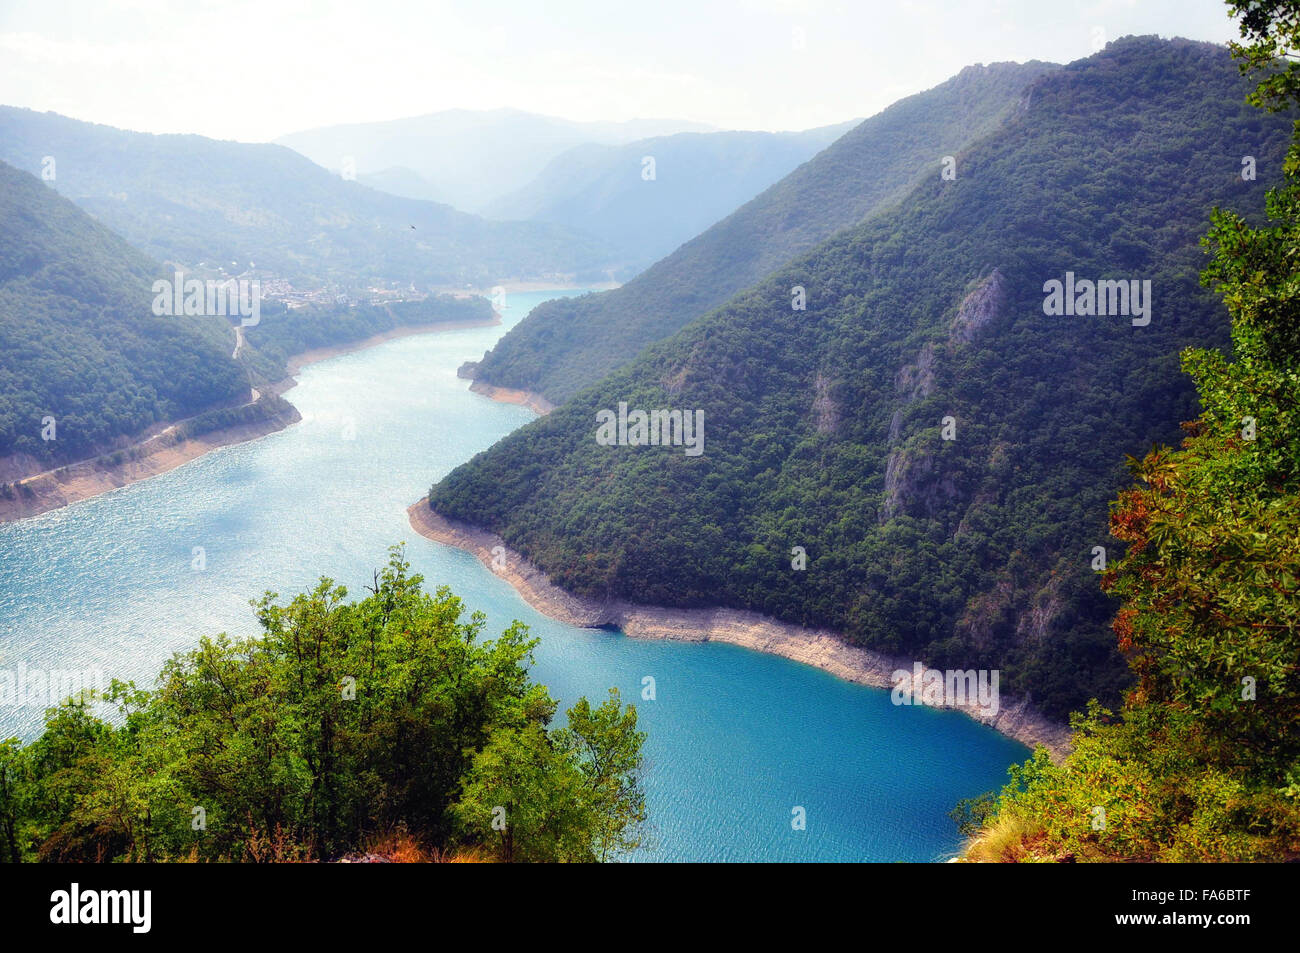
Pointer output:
x,y
737,739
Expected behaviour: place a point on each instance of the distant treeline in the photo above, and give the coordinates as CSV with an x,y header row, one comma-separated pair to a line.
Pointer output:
x,y
284,332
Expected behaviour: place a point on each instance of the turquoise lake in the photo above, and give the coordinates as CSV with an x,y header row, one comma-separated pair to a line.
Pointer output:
x,y
737,739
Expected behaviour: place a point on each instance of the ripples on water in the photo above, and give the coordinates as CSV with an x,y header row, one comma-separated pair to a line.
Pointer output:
x,y
736,738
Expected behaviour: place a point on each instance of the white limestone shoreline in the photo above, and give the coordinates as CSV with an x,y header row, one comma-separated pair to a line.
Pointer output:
x,y
818,647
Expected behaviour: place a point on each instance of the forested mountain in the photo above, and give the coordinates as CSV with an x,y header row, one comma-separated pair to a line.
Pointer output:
x,y
644,211
293,757
473,156
940,445
1209,734
190,199
79,342
562,346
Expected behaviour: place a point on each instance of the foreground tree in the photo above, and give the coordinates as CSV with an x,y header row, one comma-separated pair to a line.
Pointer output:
x,y
1203,762
344,724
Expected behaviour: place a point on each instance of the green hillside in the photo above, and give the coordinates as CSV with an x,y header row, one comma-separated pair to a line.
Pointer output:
x,y
192,200
79,341
824,427
562,346
1202,762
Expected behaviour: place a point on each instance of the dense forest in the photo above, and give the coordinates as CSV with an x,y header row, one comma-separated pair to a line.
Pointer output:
x,y
566,344
189,199
381,725
826,428
79,342
1202,763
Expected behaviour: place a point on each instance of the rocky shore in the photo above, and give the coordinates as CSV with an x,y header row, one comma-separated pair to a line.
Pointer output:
x,y
819,647
157,454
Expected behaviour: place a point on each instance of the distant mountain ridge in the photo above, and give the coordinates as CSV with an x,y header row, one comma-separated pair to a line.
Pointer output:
x,y
190,199
644,211
472,156
565,345
404,182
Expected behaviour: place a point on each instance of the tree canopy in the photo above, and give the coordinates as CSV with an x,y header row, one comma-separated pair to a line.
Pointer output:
x,y
1202,762
344,724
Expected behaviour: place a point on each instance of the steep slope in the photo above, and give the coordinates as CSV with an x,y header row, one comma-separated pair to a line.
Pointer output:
x,y
826,428
475,156
190,199
563,346
79,342
609,192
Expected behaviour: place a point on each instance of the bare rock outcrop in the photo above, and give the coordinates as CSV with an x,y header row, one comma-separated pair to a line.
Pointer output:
x,y
826,412
978,308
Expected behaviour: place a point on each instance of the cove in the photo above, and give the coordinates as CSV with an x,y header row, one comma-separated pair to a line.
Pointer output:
x,y
737,740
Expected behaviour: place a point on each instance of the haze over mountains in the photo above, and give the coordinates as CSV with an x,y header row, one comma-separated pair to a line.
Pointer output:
x,y
645,212
941,448
588,216
567,344
594,179
467,158
190,199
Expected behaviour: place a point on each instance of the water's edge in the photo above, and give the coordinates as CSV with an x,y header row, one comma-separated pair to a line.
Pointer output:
x,y
72,483
821,648
736,738
506,395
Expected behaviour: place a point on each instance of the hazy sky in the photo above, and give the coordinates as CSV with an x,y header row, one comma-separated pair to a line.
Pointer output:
x,y
255,70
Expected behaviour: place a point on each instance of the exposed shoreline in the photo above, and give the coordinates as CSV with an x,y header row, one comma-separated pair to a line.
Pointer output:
x,y
55,489
818,647
158,453
506,395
